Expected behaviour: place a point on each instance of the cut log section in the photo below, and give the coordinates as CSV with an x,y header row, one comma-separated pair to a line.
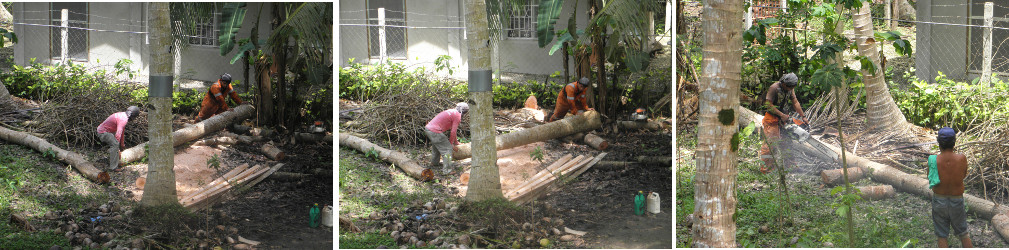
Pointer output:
x,y
272,152
615,164
585,122
313,138
649,125
246,139
878,192
75,160
409,166
596,142
834,177
190,133
655,160
221,140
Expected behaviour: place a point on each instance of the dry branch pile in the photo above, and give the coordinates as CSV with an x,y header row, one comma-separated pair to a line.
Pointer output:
x,y
987,150
74,118
400,114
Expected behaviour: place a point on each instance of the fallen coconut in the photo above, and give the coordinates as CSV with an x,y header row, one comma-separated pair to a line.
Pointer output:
x,y
568,237
555,231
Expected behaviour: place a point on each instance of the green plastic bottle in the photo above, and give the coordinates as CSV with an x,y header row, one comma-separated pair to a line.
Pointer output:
x,y
313,216
639,203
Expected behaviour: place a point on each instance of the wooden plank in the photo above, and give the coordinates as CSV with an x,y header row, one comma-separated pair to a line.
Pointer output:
x,y
541,188
216,195
217,181
267,174
560,162
547,176
224,184
566,169
589,165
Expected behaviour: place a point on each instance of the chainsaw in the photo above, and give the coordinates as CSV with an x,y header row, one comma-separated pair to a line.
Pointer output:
x,y
796,128
639,115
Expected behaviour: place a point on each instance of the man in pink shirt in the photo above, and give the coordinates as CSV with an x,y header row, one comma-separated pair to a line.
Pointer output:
x,y
441,146
111,132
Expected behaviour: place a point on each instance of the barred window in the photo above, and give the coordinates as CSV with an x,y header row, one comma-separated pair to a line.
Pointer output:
x,y
205,31
522,23
77,39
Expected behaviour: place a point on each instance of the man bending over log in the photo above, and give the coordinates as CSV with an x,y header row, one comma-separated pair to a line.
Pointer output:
x,y
441,146
111,133
215,102
779,102
571,99
947,199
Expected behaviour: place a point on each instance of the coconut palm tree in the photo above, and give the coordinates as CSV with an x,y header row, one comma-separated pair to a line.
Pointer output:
x,y
879,104
715,180
485,181
160,188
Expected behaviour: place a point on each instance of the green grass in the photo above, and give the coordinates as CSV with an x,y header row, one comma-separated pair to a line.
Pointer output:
x,y
885,223
367,185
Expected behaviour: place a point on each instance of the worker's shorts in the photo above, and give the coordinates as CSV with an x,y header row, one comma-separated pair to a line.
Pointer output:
x,y
947,212
440,148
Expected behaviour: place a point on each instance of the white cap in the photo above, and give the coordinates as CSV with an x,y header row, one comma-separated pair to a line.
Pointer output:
x,y
462,107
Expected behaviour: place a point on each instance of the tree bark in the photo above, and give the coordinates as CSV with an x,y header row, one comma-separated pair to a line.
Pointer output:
x,y
596,142
485,180
715,180
190,133
834,177
877,192
403,161
880,106
160,171
585,122
281,60
38,144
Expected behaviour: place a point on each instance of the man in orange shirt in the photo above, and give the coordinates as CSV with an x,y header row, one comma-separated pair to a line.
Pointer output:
x,y
947,199
779,101
214,101
571,99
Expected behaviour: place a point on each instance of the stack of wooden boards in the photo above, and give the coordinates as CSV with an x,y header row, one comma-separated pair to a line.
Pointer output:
x,y
217,190
565,167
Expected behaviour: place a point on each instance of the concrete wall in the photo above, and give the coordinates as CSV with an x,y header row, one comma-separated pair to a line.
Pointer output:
x,y
942,47
424,45
106,48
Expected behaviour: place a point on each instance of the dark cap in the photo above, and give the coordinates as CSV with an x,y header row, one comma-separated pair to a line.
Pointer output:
x,y
226,78
790,80
583,81
132,111
945,133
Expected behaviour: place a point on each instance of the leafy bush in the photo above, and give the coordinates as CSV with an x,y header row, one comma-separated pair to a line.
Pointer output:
x,y
950,103
362,82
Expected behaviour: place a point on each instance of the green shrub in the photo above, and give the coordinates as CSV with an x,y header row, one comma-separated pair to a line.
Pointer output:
x,y
950,103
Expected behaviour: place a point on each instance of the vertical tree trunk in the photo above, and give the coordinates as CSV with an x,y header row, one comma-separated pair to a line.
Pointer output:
x,y
160,189
280,58
715,194
567,77
844,91
880,106
485,181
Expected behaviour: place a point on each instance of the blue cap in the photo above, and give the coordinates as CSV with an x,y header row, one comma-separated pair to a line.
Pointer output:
x,y
946,132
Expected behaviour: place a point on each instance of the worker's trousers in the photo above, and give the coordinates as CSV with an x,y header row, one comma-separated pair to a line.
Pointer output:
x,y
441,150
110,140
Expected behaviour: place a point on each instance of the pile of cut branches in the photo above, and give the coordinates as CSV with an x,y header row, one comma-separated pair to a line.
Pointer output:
x,y
73,119
400,114
987,150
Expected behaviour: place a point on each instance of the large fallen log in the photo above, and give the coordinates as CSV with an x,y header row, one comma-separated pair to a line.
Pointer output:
x,y
649,125
75,160
409,166
585,122
903,182
193,132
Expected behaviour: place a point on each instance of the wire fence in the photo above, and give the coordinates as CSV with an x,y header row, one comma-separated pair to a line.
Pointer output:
x,y
948,38
432,40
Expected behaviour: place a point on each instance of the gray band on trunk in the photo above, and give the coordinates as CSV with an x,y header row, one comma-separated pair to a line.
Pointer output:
x,y
479,80
161,86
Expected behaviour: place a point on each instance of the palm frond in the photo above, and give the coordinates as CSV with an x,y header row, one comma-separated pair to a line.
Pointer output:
x,y
311,26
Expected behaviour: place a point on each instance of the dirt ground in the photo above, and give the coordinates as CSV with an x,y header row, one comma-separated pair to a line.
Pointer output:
x,y
601,202
272,212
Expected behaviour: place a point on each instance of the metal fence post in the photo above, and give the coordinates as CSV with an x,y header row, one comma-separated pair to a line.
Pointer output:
x,y
986,70
888,14
748,16
381,34
64,21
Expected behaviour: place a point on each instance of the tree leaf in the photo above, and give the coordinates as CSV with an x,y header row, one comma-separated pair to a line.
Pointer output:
x,y
546,16
842,210
749,129
232,17
867,64
829,75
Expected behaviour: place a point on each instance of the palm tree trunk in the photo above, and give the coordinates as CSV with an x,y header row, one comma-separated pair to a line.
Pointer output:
x,y
879,104
715,181
485,181
280,58
160,188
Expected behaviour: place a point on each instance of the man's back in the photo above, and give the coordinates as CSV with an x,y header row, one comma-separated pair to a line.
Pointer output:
x,y
952,169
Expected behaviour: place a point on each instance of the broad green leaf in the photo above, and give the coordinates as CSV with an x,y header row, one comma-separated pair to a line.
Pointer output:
x,y
566,36
903,47
867,64
546,16
573,25
829,75
769,21
749,129
231,21
842,210
241,51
